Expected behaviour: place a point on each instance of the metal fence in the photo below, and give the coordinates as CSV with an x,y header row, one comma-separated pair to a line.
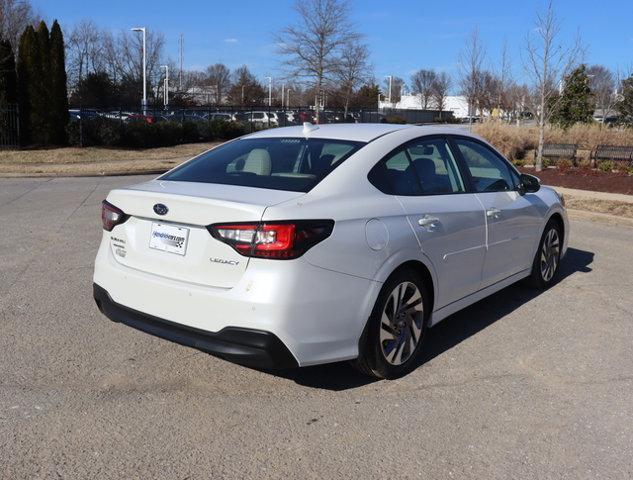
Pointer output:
x,y
9,127
257,117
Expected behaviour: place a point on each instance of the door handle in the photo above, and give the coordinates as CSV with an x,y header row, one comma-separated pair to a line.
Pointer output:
x,y
493,213
428,222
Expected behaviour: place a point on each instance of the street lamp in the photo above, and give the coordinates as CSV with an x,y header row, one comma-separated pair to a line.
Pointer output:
x,y
283,94
144,103
166,97
270,91
390,77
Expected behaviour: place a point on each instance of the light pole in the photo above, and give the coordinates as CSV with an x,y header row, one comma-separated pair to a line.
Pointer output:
x,y
288,97
283,94
144,103
270,91
390,77
242,94
166,97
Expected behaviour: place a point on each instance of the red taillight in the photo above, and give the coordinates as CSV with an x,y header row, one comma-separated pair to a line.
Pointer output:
x,y
111,216
279,240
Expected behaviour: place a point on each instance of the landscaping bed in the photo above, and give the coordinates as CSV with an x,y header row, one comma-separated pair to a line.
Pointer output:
x,y
585,179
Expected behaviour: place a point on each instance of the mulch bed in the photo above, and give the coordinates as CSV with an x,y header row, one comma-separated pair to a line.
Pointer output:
x,y
585,179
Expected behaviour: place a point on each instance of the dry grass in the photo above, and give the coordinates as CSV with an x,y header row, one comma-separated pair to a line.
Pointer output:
x,y
619,209
95,161
514,141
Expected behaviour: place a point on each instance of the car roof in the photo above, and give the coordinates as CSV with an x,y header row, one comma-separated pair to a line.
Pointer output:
x,y
359,132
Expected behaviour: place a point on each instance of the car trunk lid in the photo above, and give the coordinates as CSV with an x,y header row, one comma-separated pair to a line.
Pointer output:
x,y
175,243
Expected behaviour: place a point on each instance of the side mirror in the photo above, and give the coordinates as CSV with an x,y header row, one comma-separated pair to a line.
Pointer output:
x,y
529,184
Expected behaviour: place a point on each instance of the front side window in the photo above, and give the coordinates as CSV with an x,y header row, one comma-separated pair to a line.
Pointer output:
x,y
294,164
489,173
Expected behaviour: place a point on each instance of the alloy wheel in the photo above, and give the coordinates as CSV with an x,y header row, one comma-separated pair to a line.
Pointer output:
x,y
550,255
401,323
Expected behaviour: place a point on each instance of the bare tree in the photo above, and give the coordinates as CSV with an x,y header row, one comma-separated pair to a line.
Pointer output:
x,y
15,16
517,98
422,84
602,84
245,89
353,69
489,93
219,78
123,54
84,51
312,44
441,86
470,62
547,63
505,81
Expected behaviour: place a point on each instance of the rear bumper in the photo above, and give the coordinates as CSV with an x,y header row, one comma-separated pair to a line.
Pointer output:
x,y
316,313
250,347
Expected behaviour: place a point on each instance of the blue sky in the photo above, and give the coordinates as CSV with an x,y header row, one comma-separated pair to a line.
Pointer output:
x,y
403,36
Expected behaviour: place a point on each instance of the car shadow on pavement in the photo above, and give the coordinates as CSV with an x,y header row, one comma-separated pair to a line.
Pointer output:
x,y
445,335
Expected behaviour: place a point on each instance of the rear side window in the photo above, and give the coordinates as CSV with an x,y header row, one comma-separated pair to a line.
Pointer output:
x,y
394,175
294,164
435,166
421,167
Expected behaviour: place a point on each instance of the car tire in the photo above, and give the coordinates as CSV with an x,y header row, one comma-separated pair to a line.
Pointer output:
x,y
388,347
547,258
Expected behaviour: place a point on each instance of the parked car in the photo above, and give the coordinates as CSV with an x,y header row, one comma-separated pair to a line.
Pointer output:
x,y
305,245
139,117
117,115
265,118
258,117
290,116
227,117
184,117
75,114
471,119
303,116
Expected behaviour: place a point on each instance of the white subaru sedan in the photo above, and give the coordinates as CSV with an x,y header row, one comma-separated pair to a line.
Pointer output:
x,y
305,245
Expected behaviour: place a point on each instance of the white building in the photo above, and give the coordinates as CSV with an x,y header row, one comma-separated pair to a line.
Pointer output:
x,y
455,103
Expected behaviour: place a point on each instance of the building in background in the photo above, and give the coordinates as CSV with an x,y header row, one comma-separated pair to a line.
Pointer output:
x,y
455,103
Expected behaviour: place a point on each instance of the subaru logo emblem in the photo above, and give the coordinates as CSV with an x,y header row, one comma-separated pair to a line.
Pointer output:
x,y
160,209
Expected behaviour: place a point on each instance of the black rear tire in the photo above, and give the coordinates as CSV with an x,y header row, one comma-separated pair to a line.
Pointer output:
x,y
372,359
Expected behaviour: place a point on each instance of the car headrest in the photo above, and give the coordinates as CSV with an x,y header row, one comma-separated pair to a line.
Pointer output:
x,y
258,162
425,167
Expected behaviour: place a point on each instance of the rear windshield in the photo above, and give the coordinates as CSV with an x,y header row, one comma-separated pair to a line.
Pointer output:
x,y
295,164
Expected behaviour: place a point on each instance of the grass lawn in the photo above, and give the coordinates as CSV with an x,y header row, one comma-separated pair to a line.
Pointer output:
x,y
94,160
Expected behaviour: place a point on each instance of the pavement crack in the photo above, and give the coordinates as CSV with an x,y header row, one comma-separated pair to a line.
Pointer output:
x,y
26,193
81,204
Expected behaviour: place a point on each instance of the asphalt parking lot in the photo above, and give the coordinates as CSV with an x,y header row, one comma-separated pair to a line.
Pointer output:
x,y
521,385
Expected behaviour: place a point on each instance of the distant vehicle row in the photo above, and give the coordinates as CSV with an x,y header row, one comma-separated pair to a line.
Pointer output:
x,y
260,117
